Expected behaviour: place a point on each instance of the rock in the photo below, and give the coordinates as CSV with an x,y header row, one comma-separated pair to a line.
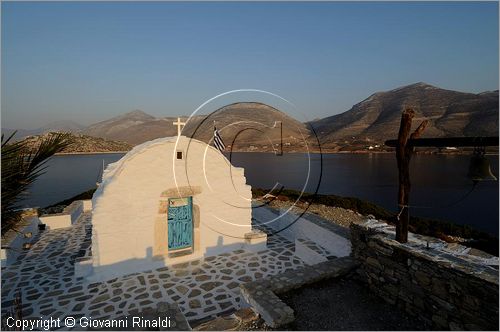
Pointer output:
x,y
246,315
202,277
208,286
373,262
182,289
456,326
101,298
440,321
219,324
193,304
422,278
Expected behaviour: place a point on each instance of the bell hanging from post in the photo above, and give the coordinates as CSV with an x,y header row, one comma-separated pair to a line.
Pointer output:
x,y
479,168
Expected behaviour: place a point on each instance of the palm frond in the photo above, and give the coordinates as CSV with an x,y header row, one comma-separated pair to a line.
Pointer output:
x,y
21,166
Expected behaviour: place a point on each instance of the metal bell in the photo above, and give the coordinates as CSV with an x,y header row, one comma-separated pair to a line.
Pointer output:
x,y
479,168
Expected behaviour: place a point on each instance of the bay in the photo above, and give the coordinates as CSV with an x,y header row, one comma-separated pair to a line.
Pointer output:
x,y
440,188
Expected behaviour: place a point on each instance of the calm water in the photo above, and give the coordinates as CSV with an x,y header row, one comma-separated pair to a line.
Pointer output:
x,y
437,181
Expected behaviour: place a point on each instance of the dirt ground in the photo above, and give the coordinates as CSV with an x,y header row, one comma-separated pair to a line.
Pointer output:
x,y
345,304
339,216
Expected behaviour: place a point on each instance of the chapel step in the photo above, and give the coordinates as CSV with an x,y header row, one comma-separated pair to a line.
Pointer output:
x,y
311,252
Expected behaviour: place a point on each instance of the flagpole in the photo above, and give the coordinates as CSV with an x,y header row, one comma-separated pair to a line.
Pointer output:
x,y
227,161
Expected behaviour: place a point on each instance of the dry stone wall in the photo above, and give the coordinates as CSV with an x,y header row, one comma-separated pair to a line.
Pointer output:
x,y
262,294
448,289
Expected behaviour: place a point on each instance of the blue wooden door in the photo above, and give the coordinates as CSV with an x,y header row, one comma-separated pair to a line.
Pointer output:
x,y
180,223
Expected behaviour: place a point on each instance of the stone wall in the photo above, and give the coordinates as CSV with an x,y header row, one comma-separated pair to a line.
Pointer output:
x,y
441,283
68,217
13,241
262,294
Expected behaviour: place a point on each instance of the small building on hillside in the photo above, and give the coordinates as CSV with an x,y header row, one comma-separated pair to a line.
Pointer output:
x,y
168,201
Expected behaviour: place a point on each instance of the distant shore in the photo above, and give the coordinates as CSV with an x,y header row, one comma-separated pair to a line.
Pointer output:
x,y
314,151
344,210
100,152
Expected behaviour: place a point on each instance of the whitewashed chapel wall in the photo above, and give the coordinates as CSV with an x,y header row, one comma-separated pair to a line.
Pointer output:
x,y
129,216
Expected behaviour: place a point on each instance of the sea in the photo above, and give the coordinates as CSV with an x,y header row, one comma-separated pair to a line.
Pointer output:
x,y
440,187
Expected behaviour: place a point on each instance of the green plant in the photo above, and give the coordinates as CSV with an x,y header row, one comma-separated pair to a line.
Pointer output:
x,y
22,164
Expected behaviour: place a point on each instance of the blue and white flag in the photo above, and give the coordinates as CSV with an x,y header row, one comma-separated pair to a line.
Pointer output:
x,y
218,142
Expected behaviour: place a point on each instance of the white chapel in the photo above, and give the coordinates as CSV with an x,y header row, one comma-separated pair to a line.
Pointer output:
x,y
168,201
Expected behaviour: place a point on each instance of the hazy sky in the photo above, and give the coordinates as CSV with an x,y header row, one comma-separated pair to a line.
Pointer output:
x,y
90,61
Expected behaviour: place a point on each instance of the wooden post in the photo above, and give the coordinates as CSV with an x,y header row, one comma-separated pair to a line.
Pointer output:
x,y
404,153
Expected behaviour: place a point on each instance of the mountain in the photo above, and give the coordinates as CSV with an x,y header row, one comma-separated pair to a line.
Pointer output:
x,y
60,126
137,127
19,133
249,126
370,122
83,144
134,127
377,118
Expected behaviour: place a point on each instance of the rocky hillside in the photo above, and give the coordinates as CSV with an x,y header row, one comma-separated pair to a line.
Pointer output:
x,y
250,126
84,144
451,113
364,127
134,127
60,126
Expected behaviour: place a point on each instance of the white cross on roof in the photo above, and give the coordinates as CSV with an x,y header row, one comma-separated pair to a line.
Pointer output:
x,y
178,123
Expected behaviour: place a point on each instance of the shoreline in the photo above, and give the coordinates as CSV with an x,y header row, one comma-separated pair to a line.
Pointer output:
x,y
83,153
297,152
343,211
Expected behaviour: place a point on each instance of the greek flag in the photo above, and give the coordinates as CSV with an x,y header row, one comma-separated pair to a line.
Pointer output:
x,y
218,142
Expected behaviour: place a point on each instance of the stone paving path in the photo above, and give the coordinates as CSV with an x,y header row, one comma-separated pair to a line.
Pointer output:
x,y
201,288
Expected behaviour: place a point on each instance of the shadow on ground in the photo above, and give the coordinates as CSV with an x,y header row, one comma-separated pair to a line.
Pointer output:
x,y
345,304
